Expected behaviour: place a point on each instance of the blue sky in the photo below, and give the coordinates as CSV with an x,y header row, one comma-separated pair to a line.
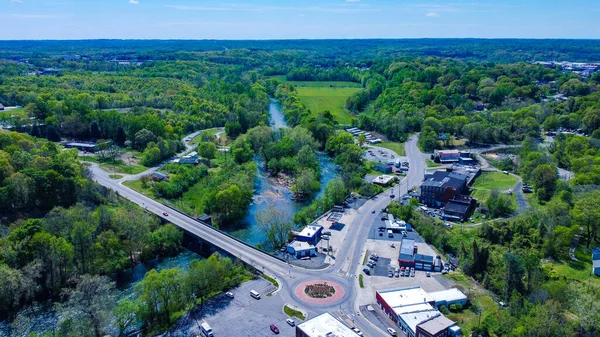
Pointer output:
x,y
292,19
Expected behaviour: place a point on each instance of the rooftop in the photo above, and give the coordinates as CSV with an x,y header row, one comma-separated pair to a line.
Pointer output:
x,y
436,325
383,179
457,206
301,245
405,297
449,295
445,179
407,246
414,318
309,231
325,325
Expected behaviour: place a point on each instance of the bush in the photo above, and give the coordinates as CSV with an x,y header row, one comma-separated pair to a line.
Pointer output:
x,y
444,309
456,307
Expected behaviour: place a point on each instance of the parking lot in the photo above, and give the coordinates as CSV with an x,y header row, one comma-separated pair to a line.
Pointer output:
x,y
382,155
240,316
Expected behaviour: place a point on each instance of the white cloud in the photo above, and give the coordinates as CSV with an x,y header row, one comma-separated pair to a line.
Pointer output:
x,y
352,0
250,8
431,14
17,1
134,2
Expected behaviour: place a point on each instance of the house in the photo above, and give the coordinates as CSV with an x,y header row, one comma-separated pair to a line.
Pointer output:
x,y
447,156
414,312
310,234
81,146
465,159
596,261
442,186
301,249
159,176
459,208
383,168
324,325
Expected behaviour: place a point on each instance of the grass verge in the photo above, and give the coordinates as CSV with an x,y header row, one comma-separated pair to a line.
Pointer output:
x,y
115,176
394,146
431,163
273,282
360,281
293,313
365,258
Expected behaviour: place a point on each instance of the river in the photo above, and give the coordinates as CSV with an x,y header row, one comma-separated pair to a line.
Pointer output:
x,y
267,191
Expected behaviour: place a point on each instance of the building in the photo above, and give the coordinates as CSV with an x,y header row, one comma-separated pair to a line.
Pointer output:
x,y
310,234
449,296
324,325
383,180
408,249
465,159
383,168
423,262
596,261
301,249
442,186
159,176
81,146
415,313
1,107
447,156
459,208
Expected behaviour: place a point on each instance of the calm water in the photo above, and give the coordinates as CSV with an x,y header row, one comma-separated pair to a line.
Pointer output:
x,y
269,192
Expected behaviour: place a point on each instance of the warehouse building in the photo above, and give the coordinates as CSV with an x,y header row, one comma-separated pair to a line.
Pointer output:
x,y
414,311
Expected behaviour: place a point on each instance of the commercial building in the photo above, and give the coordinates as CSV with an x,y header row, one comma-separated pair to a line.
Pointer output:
x,y
449,296
459,208
383,168
310,234
408,249
415,313
324,325
442,186
446,156
301,249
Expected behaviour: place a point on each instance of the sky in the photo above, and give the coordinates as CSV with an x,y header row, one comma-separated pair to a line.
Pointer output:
x,y
297,19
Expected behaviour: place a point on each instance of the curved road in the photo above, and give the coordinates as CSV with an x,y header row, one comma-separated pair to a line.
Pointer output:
x,y
344,271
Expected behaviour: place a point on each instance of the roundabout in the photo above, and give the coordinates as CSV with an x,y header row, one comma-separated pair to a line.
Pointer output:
x,y
319,292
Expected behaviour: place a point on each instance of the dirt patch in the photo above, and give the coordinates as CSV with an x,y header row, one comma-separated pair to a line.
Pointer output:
x,y
130,158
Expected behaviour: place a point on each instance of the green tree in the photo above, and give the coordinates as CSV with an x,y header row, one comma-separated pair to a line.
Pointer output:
x,y
142,138
499,204
586,213
305,185
11,288
544,179
275,224
207,150
336,191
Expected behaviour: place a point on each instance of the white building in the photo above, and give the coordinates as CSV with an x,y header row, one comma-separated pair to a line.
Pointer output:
x,y
301,249
324,325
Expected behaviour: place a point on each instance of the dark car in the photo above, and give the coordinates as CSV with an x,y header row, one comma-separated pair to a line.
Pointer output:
x,y
165,214
392,196
367,271
274,329
373,212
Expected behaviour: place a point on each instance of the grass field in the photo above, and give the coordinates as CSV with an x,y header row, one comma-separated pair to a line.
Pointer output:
x,y
394,146
468,319
319,99
117,167
18,112
293,313
324,84
573,270
431,163
198,138
488,181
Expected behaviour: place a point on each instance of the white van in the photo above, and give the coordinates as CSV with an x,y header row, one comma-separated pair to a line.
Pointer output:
x,y
390,233
206,329
255,294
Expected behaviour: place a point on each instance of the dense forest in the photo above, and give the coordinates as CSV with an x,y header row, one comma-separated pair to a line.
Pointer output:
x,y
62,237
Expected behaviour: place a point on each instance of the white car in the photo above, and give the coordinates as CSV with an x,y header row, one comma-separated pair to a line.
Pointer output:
x,y
229,294
357,331
391,331
290,322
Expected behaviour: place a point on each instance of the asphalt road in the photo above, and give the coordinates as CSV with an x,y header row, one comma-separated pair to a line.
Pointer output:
x,y
343,272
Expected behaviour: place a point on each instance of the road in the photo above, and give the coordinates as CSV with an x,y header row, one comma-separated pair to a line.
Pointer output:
x,y
344,271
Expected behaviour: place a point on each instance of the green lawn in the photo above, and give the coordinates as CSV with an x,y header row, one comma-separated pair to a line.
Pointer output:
x,y
136,185
468,319
394,146
488,181
198,138
117,167
18,112
431,163
293,313
324,84
573,270
319,99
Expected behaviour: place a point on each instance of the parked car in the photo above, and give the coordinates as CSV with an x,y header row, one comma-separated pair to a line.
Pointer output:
x,y
367,271
382,228
274,329
283,249
404,233
406,273
380,233
325,237
397,272
412,273
391,331
374,255
374,258
505,172
402,269
290,322
357,331
428,274
229,294
390,273
448,225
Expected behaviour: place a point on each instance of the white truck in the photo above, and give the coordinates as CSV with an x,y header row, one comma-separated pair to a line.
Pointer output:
x,y
206,329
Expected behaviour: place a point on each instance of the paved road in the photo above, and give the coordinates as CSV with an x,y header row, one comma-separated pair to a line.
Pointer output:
x,y
348,261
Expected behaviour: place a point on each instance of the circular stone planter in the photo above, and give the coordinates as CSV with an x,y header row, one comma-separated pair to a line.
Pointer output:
x,y
319,292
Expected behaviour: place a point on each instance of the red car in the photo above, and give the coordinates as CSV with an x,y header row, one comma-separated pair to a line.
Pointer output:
x,y
165,214
274,329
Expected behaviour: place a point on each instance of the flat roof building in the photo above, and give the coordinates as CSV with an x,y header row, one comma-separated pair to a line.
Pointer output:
x,y
383,180
447,156
309,234
301,249
449,296
324,325
414,311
